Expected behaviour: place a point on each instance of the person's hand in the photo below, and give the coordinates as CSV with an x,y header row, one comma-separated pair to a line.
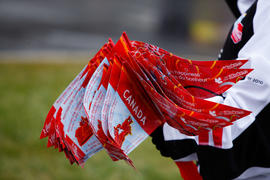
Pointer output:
x,y
174,149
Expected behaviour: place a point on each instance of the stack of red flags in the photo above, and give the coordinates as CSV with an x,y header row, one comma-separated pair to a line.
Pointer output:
x,y
130,88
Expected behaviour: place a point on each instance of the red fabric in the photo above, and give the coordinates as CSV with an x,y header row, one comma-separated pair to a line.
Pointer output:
x,y
217,136
188,170
204,138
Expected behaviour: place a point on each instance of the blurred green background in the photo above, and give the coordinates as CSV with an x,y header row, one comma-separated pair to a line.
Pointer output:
x,y
27,90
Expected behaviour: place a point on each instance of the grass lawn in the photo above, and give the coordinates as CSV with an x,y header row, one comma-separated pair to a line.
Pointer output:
x,y
27,91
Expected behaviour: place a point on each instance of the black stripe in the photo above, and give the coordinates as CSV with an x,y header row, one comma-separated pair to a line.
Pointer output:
x,y
202,88
234,8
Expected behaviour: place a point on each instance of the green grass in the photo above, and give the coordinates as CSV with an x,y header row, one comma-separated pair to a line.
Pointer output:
x,y
26,93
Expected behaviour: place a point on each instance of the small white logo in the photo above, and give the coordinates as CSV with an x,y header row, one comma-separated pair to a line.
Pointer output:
x,y
218,80
212,113
183,119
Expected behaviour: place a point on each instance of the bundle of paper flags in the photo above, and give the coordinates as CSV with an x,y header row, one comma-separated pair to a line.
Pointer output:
x,y
130,88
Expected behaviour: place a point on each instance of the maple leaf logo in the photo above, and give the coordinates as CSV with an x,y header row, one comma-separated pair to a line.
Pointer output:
x,y
218,80
212,113
84,131
183,119
122,130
